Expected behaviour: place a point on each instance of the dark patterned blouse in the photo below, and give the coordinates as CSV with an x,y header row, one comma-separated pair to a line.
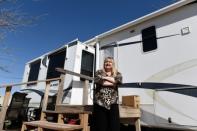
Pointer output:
x,y
105,96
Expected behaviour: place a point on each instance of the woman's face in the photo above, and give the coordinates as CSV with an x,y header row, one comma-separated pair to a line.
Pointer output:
x,y
108,64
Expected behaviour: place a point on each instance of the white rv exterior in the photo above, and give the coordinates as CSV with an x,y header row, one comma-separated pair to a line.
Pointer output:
x,y
1,100
72,61
165,77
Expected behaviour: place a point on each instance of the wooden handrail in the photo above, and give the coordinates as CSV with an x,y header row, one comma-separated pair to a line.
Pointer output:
x,y
63,71
47,80
61,79
31,82
7,96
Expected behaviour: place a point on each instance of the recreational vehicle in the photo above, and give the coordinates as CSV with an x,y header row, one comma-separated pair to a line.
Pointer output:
x,y
73,56
156,55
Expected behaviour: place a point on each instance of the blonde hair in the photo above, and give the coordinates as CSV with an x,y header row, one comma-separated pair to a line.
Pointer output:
x,y
114,70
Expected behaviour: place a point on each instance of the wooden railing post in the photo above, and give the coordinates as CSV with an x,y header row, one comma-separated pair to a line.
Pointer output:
x,y
5,106
84,121
137,124
85,92
45,100
60,89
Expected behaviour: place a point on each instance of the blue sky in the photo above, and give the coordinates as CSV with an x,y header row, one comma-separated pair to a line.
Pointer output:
x,y
62,21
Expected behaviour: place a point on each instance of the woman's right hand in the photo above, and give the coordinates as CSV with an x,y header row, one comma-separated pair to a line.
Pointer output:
x,y
107,83
109,79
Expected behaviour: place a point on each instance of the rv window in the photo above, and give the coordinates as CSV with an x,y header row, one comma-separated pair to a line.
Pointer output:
x,y
56,60
87,63
34,71
149,39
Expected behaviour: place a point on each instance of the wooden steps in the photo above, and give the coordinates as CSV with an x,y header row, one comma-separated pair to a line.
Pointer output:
x,y
50,125
59,124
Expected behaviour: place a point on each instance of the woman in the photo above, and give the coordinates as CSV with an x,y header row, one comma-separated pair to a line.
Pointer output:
x,y
106,110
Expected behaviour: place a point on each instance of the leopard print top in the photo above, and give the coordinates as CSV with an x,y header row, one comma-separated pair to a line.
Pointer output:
x,y
105,96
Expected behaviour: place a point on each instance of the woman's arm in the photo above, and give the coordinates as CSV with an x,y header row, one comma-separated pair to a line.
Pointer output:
x,y
109,79
114,80
98,77
107,83
118,78
106,80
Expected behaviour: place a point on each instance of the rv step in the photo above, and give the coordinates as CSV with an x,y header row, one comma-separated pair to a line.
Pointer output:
x,y
50,125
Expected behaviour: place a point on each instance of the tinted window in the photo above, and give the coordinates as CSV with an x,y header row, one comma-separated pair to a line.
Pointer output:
x,y
56,60
34,70
149,39
87,63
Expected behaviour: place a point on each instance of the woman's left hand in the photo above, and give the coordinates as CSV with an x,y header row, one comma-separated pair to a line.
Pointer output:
x,y
109,79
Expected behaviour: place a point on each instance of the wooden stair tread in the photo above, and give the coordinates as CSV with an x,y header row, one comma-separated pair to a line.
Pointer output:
x,y
66,112
53,126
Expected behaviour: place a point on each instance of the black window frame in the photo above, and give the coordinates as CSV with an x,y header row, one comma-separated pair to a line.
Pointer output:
x,y
54,63
34,71
87,72
149,39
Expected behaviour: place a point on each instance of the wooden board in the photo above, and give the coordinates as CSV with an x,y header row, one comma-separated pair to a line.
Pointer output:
x,y
53,126
125,111
129,112
73,108
5,106
132,100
